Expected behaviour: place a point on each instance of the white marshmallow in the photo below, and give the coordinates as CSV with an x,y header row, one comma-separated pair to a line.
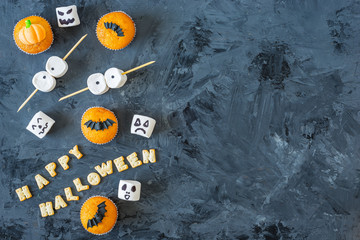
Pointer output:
x,y
129,190
142,125
44,81
96,84
67,16
56,67
40,124
114,78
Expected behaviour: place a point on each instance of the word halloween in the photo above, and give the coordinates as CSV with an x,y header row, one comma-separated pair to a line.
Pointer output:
x,y
93,178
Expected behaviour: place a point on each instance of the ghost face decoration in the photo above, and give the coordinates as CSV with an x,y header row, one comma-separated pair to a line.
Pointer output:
x,y
40,124
114,78
67,16
129,190
142,125
56,67
96,84
44,81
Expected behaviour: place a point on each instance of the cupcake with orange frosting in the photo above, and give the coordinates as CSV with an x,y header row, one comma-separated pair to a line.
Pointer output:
x,y
115,30
99,125
98,215
33,35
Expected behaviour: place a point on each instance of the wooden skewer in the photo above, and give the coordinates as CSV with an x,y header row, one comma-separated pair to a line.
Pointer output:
x,y
74,93
28,99
73,48
85,89
136,68
64,58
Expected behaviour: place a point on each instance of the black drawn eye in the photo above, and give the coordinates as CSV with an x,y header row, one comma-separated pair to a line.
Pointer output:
x,y
137,122
44,77
38,120
133,189
124,187
52,68
39,126
146,124
97,82
60,13
69,11
33,126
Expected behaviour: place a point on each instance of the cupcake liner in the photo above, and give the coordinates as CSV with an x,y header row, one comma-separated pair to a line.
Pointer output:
x,y
117,215
119,48
38,52
116,120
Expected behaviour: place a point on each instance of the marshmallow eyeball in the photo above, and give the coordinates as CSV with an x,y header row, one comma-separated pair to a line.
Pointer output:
x,y
96,84
114,78
44,81
56,67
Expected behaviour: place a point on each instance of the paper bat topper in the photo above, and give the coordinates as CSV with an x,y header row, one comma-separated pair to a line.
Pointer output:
x,y
99,125
98,216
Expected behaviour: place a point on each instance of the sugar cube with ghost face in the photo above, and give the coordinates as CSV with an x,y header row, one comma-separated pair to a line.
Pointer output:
x,y
40,124
96,84
142,125
67,16
56,67
44,81
129,190
114,78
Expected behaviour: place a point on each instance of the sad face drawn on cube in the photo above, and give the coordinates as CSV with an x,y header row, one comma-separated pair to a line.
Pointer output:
x,y
67,16
44,81
96,84
142,125
56,67
114,78
40,124
129,190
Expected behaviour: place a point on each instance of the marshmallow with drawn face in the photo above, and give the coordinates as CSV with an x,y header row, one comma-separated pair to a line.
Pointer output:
x,y
44,81
67,16
40,124
114,78
97,84
142,125
129,190
56,67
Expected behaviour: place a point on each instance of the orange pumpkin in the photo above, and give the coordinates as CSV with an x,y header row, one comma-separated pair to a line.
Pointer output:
x,y
32,33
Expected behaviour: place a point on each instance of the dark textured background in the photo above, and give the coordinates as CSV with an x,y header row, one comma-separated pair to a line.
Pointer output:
x,y
258,122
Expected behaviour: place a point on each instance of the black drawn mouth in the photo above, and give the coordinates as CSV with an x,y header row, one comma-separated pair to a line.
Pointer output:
x,y
141,130
127,197
43,130
66,22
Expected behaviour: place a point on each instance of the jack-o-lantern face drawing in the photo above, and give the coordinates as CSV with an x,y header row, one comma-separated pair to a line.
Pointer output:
x,y
99,125
129,190
67,16
40,124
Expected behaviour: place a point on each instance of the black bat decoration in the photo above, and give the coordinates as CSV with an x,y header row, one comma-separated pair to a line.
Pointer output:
x,y
99,125
98,216
116,28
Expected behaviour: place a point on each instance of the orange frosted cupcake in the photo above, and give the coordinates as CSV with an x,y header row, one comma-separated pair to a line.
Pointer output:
x,y
33,35
98,215
99,125
115,30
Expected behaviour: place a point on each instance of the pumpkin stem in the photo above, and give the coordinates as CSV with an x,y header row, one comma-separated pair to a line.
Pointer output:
x,y
27,23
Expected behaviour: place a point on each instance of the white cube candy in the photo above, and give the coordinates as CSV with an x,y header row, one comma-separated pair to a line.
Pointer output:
x,y
142,125
96,84
56,67
44,81
40,124
129,190
67,16
114,78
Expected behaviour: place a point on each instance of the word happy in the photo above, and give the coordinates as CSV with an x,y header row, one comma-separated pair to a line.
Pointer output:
x,y
93,178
